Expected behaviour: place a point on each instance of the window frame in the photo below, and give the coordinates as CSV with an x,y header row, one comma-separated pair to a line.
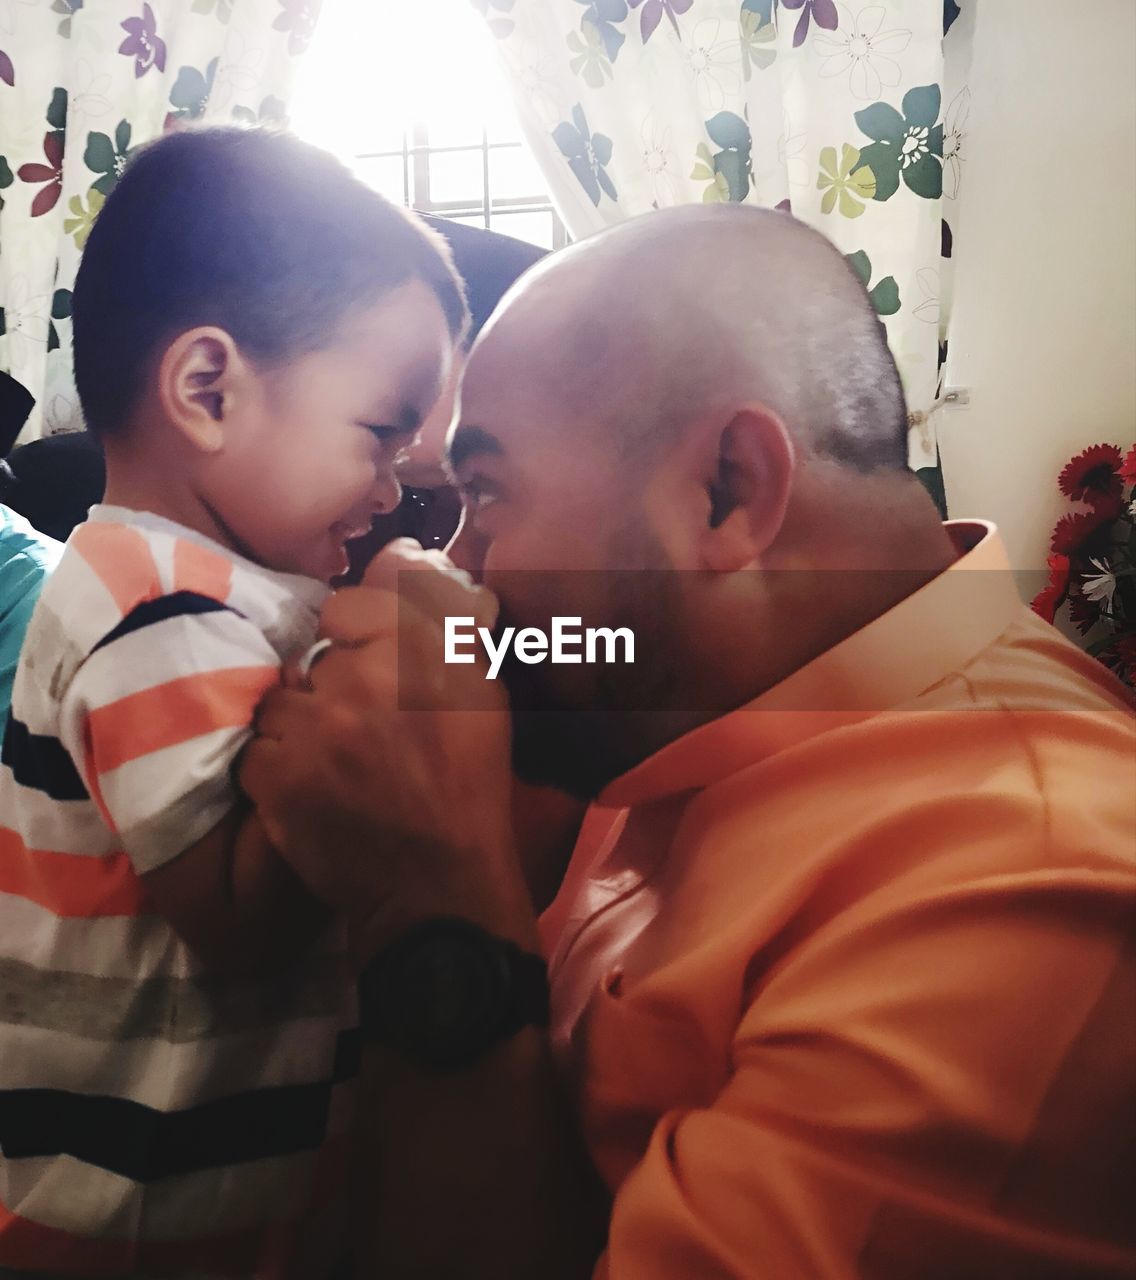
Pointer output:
x,y
415,155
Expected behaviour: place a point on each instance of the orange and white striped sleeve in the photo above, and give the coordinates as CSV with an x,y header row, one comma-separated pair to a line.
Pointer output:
x,y
156,715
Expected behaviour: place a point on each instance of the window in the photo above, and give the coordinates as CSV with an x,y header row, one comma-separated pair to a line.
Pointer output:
x,y
410,94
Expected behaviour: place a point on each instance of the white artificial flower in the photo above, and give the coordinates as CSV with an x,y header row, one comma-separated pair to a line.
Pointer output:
x,y
860,50
1101,586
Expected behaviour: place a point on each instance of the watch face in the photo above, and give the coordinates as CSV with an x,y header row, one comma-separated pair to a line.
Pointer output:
x,y
442,998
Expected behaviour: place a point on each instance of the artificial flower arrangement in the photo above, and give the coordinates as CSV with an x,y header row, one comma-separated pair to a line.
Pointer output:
x,y
1092,562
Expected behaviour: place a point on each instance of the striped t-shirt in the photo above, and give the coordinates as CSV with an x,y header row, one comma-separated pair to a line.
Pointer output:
x,y
155,1119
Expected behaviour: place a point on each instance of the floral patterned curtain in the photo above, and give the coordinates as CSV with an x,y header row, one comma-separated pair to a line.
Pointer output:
x,y
834,111
82,84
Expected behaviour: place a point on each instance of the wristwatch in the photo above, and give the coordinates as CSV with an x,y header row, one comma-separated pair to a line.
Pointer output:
x,y
446,991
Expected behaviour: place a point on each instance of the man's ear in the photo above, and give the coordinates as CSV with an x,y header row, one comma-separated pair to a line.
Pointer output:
x,y
198,381
748,492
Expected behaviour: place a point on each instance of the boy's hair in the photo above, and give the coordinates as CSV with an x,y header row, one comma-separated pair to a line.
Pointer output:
x,y
258,233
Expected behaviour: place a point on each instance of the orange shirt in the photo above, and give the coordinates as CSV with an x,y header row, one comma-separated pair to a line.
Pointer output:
x,y
845,983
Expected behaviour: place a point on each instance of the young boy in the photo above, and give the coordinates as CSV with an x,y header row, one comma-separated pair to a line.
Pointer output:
x,y
257,335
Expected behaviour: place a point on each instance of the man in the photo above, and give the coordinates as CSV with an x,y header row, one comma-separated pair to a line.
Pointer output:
x,y
845,985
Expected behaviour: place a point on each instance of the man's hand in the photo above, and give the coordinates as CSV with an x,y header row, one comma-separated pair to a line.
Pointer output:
x,y
385,782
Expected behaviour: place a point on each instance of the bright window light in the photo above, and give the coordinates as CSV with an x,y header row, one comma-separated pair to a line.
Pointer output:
x,y
410,93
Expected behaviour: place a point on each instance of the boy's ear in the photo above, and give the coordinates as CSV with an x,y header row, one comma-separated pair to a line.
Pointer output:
x,y
198,379
748,493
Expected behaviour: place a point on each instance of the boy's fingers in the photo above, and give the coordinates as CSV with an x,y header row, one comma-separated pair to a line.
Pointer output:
x,y
402,553
434,588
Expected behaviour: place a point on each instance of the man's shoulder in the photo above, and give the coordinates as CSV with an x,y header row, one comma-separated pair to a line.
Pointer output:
x,y
1021,762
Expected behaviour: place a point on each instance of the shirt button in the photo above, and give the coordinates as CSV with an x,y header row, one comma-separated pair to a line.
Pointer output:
x,y
613,981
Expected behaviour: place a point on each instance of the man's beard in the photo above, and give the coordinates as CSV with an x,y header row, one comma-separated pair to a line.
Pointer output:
x,y
579,734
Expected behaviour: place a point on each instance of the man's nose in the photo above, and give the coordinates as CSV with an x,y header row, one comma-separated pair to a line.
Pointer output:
x,y
467,548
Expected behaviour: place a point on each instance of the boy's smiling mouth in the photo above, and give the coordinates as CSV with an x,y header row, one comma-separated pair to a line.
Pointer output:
x,y
346,531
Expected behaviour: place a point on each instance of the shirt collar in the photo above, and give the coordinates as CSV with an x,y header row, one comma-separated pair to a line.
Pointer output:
x,y
934,631
308,591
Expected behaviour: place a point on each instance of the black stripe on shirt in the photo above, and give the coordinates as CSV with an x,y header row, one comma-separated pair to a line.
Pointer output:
x,y
178,604
41,762
143,1144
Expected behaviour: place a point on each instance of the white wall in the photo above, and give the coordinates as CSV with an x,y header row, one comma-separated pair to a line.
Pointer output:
x,y
1043,331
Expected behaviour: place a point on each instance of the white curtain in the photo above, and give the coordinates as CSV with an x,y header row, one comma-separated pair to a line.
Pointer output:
x,y
835,111
83,83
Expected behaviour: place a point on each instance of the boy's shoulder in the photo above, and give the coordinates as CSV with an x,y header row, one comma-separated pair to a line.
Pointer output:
x,y
121,568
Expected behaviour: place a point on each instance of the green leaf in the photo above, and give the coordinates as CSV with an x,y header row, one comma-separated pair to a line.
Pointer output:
x,y
57,109
122,137
861,264
718,192
52,338
883,160
601,148
925,177
189,91
881,123
201,6
935,140
1102,645
734,167
593,75
885,296
828,160
700,173
921,105
61,304
99,155
828,202
729,130
3,328
6,178
243,115
848,158
567,138
863,183
849,207
762,8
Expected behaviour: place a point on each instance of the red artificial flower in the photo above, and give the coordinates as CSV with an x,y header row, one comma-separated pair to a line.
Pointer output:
x,y
1084,613
1128,466
1092,475
1075,532
1121,657
1049,599
1046,603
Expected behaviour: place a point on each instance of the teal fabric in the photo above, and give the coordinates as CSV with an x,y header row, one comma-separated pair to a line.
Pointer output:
x,y
26,558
